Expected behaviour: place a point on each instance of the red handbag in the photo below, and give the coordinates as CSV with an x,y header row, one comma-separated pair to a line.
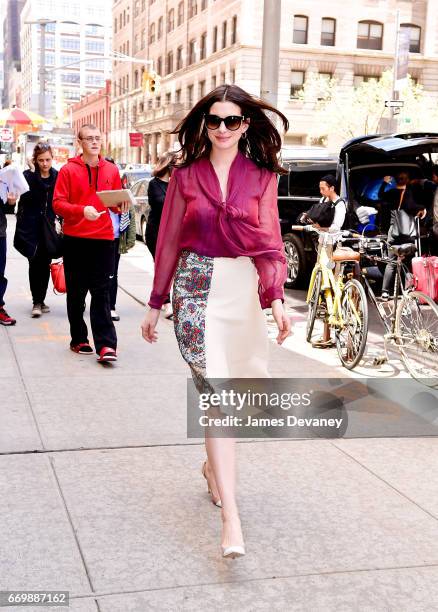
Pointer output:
x,y
58,277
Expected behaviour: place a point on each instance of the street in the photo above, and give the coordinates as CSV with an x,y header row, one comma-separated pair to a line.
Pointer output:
x,y
103,494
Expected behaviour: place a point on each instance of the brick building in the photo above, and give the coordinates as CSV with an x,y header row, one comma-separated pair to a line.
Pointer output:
x,y
95,109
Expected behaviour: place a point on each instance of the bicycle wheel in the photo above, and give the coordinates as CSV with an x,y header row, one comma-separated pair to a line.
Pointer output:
x,y
313,305
351,338
416,327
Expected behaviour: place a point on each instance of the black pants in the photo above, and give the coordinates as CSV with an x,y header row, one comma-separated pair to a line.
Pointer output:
x,y
88,265
39,274
115,275
3,279
388,283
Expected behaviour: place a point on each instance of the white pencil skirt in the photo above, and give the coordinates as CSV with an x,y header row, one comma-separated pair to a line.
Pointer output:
x,y
219,324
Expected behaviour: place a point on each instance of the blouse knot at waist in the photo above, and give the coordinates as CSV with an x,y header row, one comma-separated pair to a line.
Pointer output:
x,y
231,212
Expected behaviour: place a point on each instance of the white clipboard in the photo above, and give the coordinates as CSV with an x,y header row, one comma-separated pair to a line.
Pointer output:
x,y
114,197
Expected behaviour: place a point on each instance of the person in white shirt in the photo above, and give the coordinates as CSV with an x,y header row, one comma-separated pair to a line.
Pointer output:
x,y
327,189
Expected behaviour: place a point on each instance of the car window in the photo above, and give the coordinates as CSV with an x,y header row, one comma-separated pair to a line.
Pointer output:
x,y
306,182
141,190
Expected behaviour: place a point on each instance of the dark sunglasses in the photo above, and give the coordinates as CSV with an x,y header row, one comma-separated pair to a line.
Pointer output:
x,y
232,122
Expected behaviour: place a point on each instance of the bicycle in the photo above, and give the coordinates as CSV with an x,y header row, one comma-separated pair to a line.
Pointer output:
x,y
342,305
410,319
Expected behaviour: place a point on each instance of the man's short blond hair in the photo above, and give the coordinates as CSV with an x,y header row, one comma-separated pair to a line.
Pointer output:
x,y
89,126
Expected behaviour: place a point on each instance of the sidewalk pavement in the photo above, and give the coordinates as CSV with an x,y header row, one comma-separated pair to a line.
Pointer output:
x,y
102,493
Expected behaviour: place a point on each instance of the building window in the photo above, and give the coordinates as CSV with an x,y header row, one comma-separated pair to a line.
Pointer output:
x,y
168,97
158,102
234,30
180,13
224,35
142,39
136,43
120,21
192,52
214,39
328,32
193,8
414,37
370,35
169,63
201,89
223,79
204,4
152,33
136,8
160,66
203,48
115,25
170,20
179,58
178,96
190,95
141,107
301,24
160,28
233,75
358,79
296,82
213,81
136,79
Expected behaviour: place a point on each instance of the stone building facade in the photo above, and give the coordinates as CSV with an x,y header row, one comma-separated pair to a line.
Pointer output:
x,y
197,44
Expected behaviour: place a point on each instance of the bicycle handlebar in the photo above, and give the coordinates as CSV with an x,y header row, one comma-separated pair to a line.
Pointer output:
x,y
341,235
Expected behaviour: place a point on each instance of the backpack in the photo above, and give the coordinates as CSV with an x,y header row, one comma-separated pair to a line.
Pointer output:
x,y
351,220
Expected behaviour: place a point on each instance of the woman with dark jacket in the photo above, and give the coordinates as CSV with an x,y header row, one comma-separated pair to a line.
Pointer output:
x,y
401,197
157,190
29,236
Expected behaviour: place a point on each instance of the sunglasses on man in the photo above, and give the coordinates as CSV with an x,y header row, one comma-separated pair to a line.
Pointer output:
x,y
232,122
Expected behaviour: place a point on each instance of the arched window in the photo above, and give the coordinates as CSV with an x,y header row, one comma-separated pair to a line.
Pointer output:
x,y
328,32
370,35
301,25
136,79
414,37
171,20
152,33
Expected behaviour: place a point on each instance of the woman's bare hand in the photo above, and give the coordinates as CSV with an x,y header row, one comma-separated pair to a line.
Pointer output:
x,y
282,320
149,324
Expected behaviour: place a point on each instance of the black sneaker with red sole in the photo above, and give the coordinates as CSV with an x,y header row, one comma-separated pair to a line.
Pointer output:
x,y
83,348
5,319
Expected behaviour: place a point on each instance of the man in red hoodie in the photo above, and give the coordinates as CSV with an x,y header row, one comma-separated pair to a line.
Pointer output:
x,y
88,243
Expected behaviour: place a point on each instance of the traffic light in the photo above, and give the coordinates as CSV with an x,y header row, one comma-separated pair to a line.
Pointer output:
x,y
151,82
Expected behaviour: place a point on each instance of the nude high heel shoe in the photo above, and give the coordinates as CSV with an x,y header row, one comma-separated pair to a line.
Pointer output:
x,y
216,502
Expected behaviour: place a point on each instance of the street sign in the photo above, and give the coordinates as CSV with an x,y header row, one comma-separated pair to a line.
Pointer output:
x,y
6,135
394,103
136,139
396,111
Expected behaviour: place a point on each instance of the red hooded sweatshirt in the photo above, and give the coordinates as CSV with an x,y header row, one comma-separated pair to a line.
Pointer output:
x,y
76,188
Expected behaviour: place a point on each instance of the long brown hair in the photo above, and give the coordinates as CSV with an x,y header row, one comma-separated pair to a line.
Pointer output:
x,y
262,143
165,163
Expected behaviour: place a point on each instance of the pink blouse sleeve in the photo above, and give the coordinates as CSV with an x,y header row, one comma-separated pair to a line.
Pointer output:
x,y
168,243
271,267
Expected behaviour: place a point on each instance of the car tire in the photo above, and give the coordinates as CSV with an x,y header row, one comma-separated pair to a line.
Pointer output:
x,y
296,260
143,230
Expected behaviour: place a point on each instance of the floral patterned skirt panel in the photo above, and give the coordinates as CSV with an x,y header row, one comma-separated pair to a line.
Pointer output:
x,y
219,324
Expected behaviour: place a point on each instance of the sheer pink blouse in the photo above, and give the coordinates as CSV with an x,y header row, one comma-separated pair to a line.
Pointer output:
x,y
196,218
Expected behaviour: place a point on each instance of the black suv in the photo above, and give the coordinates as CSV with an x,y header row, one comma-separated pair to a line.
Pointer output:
x,y
361,162
297,191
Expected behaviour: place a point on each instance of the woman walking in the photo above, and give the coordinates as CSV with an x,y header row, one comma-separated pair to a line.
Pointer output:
x,y
29,234
157,190
220,237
